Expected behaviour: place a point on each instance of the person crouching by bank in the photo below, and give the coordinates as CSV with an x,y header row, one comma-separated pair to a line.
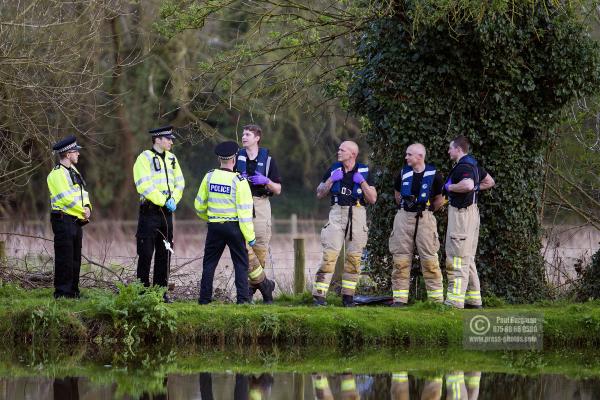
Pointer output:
x,y
224,200
350,187
70,209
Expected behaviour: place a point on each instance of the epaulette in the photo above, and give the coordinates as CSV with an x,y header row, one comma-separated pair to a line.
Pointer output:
x,y
210,170
240,177
57,166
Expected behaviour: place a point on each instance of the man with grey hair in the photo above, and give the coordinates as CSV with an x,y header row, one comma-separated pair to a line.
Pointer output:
x,y
418,193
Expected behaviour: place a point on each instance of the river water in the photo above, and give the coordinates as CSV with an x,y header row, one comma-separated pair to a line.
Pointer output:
x,y
406,385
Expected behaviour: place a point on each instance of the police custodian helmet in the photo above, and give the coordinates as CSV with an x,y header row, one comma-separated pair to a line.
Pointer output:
x,y
163,131
67,144
226,150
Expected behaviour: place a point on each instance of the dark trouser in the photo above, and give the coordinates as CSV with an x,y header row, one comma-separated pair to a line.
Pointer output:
x,y
219,235
154,226
67,254
66,388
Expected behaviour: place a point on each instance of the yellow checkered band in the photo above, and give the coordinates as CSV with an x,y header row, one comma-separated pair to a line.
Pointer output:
x,y
473,294
436,294
472,381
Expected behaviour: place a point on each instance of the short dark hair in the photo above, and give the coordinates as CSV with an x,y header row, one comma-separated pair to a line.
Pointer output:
x,y
462,142
254,129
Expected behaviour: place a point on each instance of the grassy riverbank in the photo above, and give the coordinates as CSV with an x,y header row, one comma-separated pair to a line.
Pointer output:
x,y
132,320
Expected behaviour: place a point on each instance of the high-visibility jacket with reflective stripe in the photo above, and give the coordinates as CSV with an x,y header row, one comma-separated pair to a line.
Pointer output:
x,y
225,196
156,179
65,195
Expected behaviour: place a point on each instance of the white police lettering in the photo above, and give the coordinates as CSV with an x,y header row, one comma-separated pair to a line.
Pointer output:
x,y
215,188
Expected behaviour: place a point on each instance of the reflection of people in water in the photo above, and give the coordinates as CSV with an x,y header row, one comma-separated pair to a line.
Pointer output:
x,y
432,388
400,386
159,396
321,387
472,382
348,387
66,388
247,387
455,386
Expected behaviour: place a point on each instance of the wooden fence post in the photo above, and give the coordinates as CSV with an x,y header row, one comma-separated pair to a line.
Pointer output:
x,y
299,264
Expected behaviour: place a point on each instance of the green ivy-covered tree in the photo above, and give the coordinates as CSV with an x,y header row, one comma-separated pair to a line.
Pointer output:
x,y
499,76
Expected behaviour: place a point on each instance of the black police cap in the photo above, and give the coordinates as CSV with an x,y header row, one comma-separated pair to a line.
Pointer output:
x,y
226,150
66,144
163,131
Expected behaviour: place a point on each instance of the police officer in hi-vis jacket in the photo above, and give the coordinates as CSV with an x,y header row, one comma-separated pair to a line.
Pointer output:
x,y
224,200
159,182
70,209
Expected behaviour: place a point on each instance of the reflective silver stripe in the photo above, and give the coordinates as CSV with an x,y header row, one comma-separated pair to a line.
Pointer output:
x,y
147,154
407,175
68,175
242,158
142,180
245,206
364,169
159,181
234,182
199,200
221,210
268,166
63,195
221,201
245,219
428,173
148,191
70,205
179,178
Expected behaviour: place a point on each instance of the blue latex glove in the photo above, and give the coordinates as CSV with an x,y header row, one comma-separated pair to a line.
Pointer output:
x,y
171,205
447,185
252,242
358,178
336,175
258,179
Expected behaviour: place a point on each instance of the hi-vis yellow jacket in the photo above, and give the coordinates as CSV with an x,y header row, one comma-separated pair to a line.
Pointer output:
x,y
156,179
225,196
67,191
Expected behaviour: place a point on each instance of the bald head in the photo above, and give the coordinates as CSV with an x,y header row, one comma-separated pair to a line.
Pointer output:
x,y
347,151
415,156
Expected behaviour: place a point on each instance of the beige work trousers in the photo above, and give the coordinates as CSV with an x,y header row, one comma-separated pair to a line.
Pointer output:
x,y
257,255
461,247
401,246
333,237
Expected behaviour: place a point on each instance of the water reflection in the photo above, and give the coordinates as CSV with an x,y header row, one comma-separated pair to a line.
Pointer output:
x,y
401,385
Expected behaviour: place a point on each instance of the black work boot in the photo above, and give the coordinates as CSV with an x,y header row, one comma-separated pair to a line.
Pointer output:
x,y
475,306
348,300
266,288
319,301
252,290
398,304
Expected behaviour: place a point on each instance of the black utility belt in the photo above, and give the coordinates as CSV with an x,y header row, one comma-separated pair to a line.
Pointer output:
x,y
412,210
61,215
151,208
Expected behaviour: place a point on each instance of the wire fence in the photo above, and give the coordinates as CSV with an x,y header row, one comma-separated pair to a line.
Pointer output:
x,y
109,255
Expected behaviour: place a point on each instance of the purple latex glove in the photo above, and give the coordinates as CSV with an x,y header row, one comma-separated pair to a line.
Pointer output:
x,y
358,178
337,175
447,185
258,179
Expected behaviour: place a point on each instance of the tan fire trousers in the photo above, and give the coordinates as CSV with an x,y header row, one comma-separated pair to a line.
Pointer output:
x,y
461,247
401,248
400,388
333,238
257,255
